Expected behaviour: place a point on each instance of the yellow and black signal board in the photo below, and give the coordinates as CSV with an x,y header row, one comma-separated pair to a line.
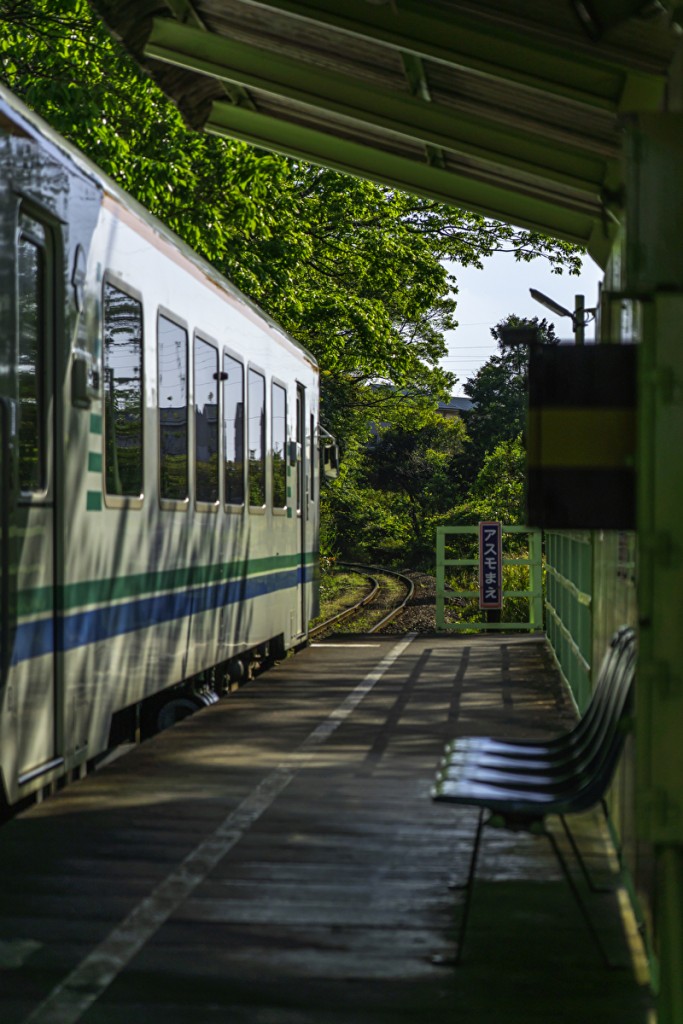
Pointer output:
x,y
581,437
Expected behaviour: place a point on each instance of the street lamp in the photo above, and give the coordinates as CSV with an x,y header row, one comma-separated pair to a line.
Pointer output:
x,y
579,318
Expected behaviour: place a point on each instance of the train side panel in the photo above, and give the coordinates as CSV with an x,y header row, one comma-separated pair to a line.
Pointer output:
x,y
129,564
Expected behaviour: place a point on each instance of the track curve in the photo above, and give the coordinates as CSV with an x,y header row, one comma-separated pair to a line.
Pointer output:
x,y
373,573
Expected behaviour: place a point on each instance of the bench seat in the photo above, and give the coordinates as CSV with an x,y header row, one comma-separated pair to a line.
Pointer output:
x,y
522,784
557,747
568,768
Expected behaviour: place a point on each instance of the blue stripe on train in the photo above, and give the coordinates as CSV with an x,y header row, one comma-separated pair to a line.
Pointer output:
x,y
34,639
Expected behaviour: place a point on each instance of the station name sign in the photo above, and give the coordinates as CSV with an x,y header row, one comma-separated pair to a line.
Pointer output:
x,y
490,565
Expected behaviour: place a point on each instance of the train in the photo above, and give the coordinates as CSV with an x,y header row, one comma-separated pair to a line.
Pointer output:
x,y
160,469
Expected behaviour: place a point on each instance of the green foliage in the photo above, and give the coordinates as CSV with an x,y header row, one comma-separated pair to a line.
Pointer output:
x,y
206,478
515,578
418,461
173,483
392,491
279,480
60,60
498,490
499,392
369,525
355,271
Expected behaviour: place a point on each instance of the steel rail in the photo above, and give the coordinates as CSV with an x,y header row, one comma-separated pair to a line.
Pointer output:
x,y
366,570
352,609
410,587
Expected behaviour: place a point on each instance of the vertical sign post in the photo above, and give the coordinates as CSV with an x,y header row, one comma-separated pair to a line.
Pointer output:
x,y
490,565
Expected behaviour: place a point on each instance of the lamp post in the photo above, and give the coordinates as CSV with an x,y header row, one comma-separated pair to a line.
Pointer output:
x,y
579,318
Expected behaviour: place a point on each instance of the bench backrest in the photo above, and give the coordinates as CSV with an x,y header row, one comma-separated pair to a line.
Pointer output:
x,y
609,698
610,679
594,774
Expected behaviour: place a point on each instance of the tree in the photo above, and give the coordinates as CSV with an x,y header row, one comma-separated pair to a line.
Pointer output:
x,y
418,462
57,56
497,494
358,272
498,491
499,392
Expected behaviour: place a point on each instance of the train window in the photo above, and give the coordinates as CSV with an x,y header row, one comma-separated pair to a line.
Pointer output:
x,y
173,443
233,430
311,490
32,350
206,421
257,439
300,428
278,451
122,392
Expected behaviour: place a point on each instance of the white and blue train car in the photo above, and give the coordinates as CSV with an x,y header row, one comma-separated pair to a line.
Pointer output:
x,y
158,462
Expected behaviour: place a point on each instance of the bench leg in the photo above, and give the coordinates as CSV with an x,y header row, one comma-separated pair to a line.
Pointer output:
x,y
468,887
579,901
593,886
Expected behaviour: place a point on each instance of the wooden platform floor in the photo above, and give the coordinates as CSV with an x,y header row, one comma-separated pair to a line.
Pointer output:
x,y
276,859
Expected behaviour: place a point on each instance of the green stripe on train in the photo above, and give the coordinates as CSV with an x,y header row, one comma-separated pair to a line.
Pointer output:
x,y
93,592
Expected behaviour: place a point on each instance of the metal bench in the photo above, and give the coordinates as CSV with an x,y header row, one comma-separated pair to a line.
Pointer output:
x,y
522,784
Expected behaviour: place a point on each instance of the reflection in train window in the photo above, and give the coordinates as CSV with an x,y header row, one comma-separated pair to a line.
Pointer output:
x,y
279,434
257,439
122,392
233,430
206,421
31,368
173,484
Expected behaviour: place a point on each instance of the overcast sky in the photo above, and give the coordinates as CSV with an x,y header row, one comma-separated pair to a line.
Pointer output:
x,y
487,296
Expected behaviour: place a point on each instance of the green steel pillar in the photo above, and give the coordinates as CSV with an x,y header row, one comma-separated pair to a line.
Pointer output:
x,y
653,279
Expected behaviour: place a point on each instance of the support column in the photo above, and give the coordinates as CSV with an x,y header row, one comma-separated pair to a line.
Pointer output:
x,y
653,276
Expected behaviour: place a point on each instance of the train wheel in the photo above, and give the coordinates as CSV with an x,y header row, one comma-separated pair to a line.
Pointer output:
x,y
173,711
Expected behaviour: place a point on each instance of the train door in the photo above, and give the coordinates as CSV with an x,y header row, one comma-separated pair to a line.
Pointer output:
x,y
301,506
34,682
6,428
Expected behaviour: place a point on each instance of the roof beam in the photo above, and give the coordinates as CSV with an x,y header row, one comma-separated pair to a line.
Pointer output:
x,y
187,15
416,78
407,116
462,40
582,224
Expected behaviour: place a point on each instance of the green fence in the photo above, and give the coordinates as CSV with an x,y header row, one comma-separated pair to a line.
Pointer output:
x,y
534,594
568,607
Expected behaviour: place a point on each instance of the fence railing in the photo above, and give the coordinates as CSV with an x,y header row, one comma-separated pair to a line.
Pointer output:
x,y
534,594
569,607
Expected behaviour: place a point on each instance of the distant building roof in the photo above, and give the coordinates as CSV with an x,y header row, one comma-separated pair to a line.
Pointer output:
x,y
456,407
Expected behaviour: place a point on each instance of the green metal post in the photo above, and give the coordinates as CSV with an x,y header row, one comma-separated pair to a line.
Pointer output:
x,y
440,577
654,273
670,870
536,578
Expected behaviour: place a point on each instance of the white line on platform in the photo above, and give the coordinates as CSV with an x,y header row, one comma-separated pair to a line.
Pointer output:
x,y
324,644
69,1000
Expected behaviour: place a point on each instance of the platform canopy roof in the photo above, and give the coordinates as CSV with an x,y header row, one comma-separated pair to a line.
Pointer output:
x,y
509,108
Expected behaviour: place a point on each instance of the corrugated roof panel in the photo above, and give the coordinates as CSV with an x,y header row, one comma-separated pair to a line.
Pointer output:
x,y
312,44
507,107
639,43
522,109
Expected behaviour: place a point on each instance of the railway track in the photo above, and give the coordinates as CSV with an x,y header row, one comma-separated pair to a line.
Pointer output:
x,y
388,595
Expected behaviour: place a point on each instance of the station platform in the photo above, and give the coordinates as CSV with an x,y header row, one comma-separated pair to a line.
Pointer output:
x,y
277,859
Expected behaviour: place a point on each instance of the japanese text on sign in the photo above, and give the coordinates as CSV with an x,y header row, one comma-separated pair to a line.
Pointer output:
x,y
490,565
